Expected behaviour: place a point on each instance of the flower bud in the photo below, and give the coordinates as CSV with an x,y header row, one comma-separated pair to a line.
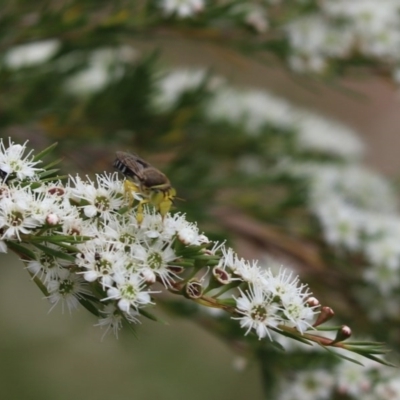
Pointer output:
x,y
343,333
52,219
325,315
149,276
312,301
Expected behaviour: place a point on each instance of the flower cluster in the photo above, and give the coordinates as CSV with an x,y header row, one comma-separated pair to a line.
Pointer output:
x,y
369,381
82,244
103,66
315,36
342,194
31,54
181,8
353,218
337,30
256,111
270,300
174,86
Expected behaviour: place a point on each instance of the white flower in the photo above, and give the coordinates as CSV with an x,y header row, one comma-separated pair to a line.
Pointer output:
x,y
388,390
322,135
103,200
384,278
285,286
298,314
122,229
45,205
189,235
313,63
73,225
51,205
129,291
101,261
13,162
153,258
174,84
90,80
250,109
31,54
354,379
254,15
104,67
366,15
112,320
111,183
48,268
255,110
353,217
384,251
61,197
339,28
187,232
228,258
15,219
67,288
258,311
243,270
341,224
248,271
257,18
182,8
292,296
153,227
305,385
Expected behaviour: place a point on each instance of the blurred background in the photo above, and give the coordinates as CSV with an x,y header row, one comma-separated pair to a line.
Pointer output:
x,y
257,152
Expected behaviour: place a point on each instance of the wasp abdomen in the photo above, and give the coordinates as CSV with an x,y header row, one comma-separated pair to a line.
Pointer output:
x,y
154,178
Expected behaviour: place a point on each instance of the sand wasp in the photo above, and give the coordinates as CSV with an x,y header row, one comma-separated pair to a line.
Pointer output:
x,y
146,180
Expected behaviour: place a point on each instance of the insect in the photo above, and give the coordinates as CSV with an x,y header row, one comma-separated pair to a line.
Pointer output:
x,y
147,180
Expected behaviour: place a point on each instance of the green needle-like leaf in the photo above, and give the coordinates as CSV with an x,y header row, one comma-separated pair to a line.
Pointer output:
x,y
21,250
55,253
45,152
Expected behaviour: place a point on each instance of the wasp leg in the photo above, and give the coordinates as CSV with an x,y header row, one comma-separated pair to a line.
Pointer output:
x,y
130,188
163,201
164,207
139,211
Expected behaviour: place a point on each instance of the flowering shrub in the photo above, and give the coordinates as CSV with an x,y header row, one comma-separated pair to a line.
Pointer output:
x,y
83,245
87,247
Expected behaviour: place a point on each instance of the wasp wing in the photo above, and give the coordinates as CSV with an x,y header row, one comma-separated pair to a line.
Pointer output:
x,y
131,165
